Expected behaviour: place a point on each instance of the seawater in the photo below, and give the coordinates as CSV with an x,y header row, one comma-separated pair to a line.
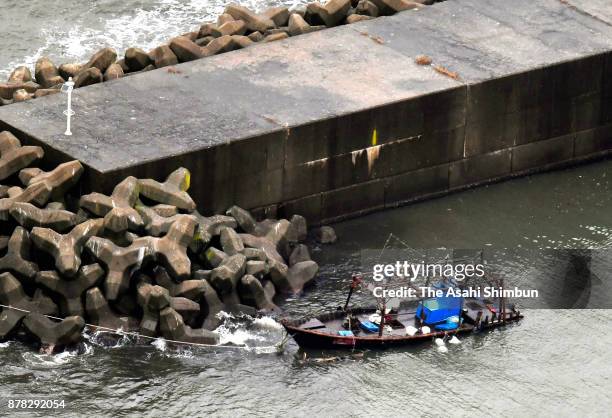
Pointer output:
x,y
72,30
555,362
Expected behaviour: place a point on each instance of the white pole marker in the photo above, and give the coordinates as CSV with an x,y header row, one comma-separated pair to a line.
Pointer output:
x,y
67,88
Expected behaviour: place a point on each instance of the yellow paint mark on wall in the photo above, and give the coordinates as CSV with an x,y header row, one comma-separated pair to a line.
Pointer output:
x,y
374,137
187,182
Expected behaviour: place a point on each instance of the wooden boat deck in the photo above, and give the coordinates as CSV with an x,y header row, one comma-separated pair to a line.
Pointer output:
x,y
405,318
323,331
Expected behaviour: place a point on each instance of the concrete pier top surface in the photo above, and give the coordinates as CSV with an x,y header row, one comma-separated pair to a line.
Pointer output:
x,y
272,87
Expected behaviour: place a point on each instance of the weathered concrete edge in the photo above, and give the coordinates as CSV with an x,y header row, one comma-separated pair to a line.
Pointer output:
x,y
468,168
55,156
561,165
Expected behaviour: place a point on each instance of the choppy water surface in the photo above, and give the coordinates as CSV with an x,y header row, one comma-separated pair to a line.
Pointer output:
x,y
71,30
525,370
554,363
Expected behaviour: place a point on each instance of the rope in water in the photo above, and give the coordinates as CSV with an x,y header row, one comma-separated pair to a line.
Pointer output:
x,y
135,334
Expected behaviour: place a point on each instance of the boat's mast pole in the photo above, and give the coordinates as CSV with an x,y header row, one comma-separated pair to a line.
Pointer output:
x,y
354,283
348,298
382,317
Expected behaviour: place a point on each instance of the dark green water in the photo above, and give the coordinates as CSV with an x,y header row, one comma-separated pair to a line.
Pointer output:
x,y
556,362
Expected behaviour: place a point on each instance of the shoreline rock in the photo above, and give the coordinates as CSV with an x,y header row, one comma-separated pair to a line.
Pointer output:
x,y
325,235
237,27
142,259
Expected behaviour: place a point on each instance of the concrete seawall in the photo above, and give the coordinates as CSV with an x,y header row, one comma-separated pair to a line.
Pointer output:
x,y
343,121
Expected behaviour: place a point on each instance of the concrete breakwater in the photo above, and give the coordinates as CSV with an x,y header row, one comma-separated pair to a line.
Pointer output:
x,y
341,122
142,259
238,27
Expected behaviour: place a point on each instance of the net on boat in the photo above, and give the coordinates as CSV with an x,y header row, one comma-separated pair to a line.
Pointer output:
x,y
399,266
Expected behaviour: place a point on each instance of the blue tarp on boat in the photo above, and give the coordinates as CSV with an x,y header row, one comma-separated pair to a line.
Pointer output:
x,y
368,326
438,310
450,324
446,326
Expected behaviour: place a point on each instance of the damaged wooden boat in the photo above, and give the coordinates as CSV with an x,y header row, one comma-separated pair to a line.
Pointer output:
x,y
361,328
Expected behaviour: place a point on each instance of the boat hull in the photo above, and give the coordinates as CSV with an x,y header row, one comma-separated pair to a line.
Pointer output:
x,y
321,340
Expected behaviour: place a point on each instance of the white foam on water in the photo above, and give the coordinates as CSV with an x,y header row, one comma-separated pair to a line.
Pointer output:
x,y
92,337
100,338
59,359
270,349
248,331
179,351
88,350
94,28
266,322
224,316
125,340
160,344
5,344
49,360
74,38
235,335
